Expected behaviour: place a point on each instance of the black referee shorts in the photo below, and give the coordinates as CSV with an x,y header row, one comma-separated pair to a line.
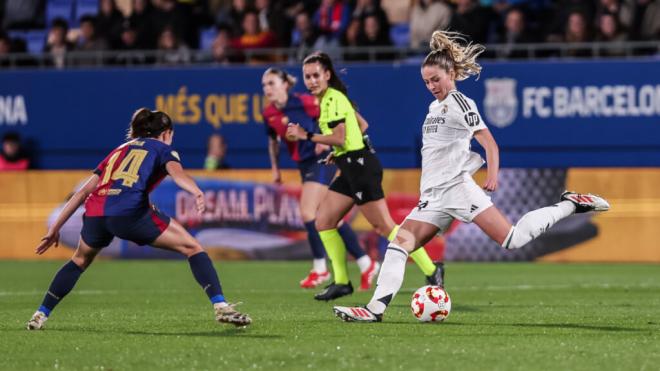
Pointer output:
x,y
361,176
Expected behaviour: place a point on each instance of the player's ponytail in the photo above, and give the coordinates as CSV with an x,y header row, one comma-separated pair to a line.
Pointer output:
x,y
324,60
283,75
148,124
451,52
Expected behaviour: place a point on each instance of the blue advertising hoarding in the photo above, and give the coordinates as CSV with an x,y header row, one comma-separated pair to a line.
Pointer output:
x,y
542,114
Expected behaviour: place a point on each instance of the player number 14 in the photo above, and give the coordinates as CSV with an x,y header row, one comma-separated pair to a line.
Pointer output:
x,y
128,168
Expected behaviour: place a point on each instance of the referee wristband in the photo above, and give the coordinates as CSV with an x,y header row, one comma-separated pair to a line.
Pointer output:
x,y
309,135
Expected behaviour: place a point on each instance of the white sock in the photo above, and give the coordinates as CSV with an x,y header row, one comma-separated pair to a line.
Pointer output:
x,y
318,266
389,279
364,263
534,223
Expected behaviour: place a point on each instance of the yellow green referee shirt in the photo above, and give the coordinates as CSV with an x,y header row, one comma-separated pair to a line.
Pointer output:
x,y
335,109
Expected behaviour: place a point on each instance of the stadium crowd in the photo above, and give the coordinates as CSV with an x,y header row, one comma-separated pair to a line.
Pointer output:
x,y
225,28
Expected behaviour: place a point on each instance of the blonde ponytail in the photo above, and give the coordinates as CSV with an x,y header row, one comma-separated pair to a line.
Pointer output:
x,y
451,52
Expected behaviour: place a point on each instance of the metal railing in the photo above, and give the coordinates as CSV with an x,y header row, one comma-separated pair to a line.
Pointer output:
x,y
160,58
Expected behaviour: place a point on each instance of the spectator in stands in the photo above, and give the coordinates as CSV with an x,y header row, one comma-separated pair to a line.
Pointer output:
x,y
222,50
273,19
140,21
23,14
374,35
622,10
365,8
129,46
88,42
57,45
252,36
303,36
177,17
232,16
472,20
331,19
108,22
397,11
555,25
171,50
649,27
515,32
427,16
577,31
12,156
216,153
609,30
351,39
5,49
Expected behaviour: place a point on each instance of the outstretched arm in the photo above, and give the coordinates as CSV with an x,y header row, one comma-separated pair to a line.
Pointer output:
x,y
187,183
53,235
485,138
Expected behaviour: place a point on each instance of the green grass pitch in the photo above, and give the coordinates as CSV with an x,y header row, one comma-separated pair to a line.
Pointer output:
x,y
152,315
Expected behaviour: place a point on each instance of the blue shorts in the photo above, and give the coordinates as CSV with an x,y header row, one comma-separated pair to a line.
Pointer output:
x,y
312,171
143,229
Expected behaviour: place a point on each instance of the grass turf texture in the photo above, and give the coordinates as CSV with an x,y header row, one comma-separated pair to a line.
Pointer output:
x,y
152,315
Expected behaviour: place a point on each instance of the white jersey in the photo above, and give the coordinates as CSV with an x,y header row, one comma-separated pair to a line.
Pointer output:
x,y
446,135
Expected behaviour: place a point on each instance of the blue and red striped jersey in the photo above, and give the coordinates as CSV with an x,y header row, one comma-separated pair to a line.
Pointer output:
x,y
301,109
128,174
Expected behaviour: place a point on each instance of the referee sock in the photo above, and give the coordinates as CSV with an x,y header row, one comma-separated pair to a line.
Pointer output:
x,y
389,279
423,261
205,274
351,241
536,222
419,256
63,282
334,246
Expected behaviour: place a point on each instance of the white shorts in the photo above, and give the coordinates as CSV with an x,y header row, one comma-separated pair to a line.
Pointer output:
x,y
463,200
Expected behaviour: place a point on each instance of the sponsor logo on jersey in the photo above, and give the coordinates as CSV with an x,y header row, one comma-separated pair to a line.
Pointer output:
x,y
500,101
422,204
471,118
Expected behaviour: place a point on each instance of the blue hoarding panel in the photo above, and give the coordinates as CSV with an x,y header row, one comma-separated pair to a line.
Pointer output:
x,y
542,114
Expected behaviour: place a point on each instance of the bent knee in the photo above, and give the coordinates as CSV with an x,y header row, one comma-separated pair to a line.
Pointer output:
x,y
405,239
325,223
82,261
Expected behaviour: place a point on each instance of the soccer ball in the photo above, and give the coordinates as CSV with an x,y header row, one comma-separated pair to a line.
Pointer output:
x,y
430,304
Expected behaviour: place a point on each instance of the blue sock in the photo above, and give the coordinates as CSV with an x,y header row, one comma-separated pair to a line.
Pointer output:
x,y
318,251
205,274
382,246
61,285
350,239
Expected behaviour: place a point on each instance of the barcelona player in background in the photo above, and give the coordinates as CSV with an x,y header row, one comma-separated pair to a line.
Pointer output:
x,y
117,204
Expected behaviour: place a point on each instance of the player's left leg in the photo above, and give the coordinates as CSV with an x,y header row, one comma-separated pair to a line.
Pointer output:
x,y
536,222
411,234
332,209
63,282
176,238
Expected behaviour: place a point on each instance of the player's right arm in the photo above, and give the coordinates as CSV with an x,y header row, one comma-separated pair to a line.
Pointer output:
x,y
274,154
183,180
53,235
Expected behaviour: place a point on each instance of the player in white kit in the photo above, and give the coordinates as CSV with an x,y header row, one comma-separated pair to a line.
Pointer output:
x,y
447,190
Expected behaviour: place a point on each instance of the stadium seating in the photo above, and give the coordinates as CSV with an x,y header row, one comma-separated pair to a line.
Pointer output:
x,y
58,9
85,7
400,34
206,37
